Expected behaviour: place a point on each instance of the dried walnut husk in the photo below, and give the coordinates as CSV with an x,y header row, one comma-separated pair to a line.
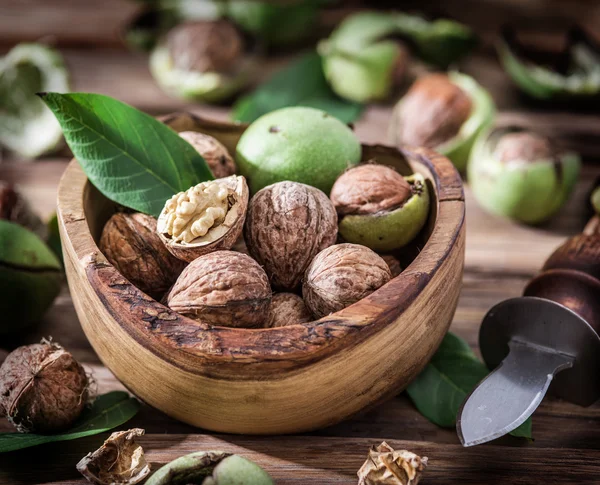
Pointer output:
x,y
223,288
287,309
204,218
378,207
217,157
288,223
130,243
14,208
43,389
120,460
432,112
385,466
342,275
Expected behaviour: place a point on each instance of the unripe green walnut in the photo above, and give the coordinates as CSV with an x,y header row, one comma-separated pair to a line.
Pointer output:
x,y
211,468
379,208
297,144
521,175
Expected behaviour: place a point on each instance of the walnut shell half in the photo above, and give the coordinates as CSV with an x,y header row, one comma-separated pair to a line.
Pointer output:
x,y
340,276
207,217
288,223
223,288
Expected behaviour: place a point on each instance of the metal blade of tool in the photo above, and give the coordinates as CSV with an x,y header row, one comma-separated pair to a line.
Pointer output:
x,y
510,394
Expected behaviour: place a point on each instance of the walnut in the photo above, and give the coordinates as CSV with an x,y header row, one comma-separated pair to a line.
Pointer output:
x,y
287,309
288,223
130,243
217,157
393,263
14,208
120,460
524,147
223,288
369,189
432,112
342,275
204,218
205,46
43,389
385,466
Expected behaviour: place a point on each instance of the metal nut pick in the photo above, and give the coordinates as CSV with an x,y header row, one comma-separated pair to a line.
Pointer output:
x,y
528,341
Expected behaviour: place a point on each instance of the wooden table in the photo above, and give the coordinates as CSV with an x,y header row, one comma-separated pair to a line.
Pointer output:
x,y
500,257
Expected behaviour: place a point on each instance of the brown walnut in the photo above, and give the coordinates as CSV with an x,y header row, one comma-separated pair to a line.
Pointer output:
x,y
131,244
524,147
432,112
369,189
223,288
393,263
287,309
217,157
43,389
205,46
287,224
342,275
14,208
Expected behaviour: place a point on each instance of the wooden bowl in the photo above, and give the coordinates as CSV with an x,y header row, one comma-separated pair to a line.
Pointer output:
x,y
268,381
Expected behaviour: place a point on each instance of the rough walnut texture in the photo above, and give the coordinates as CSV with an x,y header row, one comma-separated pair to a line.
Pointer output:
x,y
223,288
432,112
287,309
523,147
393,263
287,224
43,389
369,189
217,157
340,276
386,466
205,46
120,460
131,244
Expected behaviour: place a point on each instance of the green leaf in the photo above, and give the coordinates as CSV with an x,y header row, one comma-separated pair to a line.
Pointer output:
x,y
129,156
108,411
444,384
301,83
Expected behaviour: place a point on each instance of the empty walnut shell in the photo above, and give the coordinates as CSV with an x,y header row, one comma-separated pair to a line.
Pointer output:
x,y
288,223
222,235
43,389
340,276
223,288
131,244
217,157
287,309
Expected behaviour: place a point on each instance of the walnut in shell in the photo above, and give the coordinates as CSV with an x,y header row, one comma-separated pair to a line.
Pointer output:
x,y
288,223
207,217
120,460
386,466
217,157
287,309
393,263
131,244
432,112
342,275
43,389
223,288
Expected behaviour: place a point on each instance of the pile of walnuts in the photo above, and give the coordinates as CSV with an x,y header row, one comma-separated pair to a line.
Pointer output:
x,y
267,261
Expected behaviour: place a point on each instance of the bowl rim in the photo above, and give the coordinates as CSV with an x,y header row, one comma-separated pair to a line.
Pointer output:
x,y
213,350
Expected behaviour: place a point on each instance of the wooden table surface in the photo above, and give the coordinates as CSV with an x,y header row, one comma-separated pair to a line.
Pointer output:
x,y
500,257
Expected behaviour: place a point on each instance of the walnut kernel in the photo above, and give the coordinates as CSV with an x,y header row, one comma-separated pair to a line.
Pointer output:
x,y
386,466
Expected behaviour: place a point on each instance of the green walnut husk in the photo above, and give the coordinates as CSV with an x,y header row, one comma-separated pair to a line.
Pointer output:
x,y
27,126
571,74
457,148
387,231
30,277
595,199
275,25
210,86
363,60
210,468
529,191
